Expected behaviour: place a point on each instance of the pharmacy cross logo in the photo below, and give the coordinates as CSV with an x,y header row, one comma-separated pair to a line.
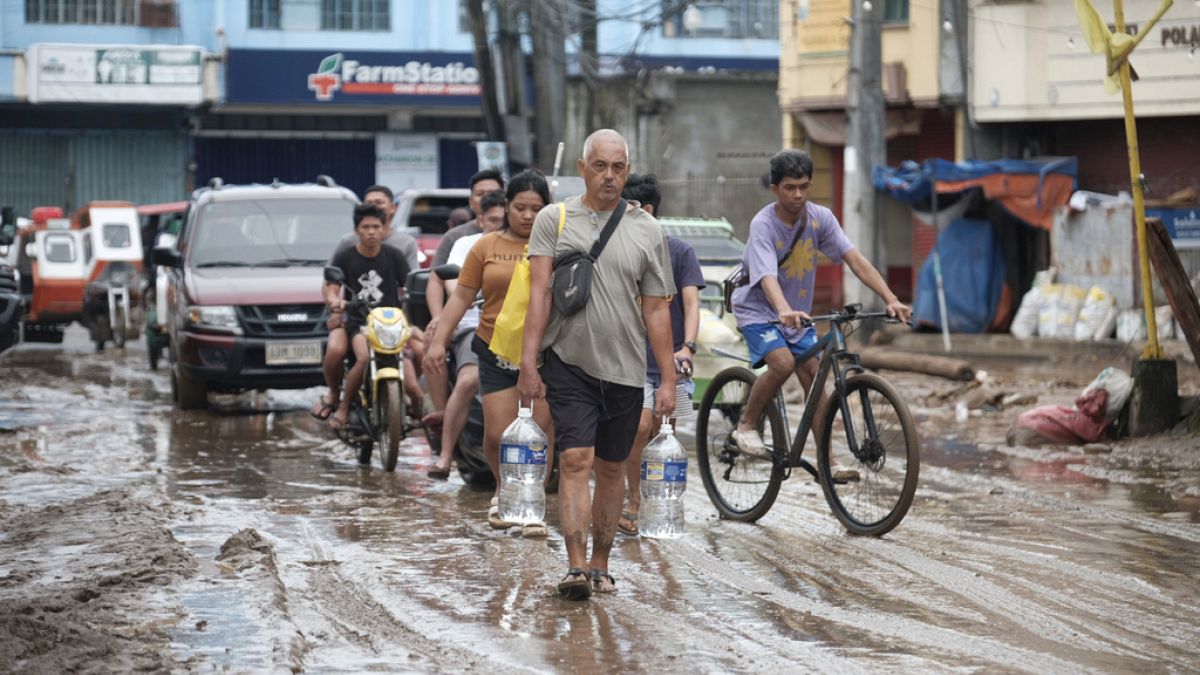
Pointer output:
x,y
327,79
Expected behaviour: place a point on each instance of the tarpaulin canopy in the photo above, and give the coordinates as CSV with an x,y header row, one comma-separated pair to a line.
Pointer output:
x,y
1030,190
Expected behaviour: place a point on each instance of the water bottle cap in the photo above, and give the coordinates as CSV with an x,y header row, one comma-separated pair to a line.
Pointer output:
x,y
524,412
666,427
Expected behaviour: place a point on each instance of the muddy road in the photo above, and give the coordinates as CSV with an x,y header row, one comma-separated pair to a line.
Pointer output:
x,y
244,538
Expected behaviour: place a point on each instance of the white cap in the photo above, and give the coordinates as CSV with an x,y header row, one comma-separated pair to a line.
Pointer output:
x,y
523,412
666,427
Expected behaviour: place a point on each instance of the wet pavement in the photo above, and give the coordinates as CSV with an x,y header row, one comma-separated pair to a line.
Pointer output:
x,y
245,538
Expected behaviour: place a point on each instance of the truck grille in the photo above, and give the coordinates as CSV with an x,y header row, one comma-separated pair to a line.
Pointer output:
x,y
283,320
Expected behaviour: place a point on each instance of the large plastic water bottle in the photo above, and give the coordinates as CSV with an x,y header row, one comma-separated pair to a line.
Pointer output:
x,y
523,470
664,479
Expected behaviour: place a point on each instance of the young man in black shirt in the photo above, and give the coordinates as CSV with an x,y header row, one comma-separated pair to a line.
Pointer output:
x,y
374,273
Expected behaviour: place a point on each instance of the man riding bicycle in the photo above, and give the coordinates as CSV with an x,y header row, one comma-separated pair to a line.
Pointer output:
x,y
780,264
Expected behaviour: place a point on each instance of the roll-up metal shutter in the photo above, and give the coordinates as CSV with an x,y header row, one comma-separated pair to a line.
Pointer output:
x,y
240,160
34,170
142,167
69,169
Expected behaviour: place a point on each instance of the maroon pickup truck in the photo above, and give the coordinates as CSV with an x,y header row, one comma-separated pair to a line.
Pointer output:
x,y
244,305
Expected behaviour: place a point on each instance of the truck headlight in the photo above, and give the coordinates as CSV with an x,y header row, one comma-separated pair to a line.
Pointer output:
x,y
214,317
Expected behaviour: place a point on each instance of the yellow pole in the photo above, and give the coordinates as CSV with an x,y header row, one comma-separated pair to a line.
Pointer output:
x,y
1152,350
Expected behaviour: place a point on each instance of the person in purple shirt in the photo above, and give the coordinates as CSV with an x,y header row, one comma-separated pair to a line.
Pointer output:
x,y
685,325
781,266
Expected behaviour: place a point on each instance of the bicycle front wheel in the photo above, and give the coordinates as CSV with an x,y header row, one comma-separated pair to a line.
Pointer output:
x,y
871,486
741,487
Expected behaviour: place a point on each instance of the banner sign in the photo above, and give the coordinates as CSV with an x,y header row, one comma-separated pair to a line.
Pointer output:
x,y
363,78
492,155
406,161
1182,224
154,74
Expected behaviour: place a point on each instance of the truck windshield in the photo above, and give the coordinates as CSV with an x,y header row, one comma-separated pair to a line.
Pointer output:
x,y
255,232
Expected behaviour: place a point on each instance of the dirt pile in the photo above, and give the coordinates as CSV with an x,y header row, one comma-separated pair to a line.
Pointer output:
x,y
83,585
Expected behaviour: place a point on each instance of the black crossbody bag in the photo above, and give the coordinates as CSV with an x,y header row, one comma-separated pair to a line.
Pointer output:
x,y
740,277
571,280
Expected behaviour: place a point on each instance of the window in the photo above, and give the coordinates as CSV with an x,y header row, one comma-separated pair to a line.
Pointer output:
x,y
116,236
365,15
755,19
91,12
60,248
264,14
895,11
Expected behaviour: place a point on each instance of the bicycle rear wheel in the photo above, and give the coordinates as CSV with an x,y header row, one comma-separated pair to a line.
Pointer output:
x,y
870,490
741,487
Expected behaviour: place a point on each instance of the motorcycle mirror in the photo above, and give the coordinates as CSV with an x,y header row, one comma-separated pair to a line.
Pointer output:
x,y
447,272
334,275
8,226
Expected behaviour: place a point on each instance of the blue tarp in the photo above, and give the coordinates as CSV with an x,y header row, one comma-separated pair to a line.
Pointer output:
x,y
973,273
910,182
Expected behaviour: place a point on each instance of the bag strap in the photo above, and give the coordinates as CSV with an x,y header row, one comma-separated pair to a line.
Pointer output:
x,y
609,228
562,216
795,239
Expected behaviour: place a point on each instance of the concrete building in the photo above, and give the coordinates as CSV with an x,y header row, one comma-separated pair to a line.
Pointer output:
x,y
143,100
922,116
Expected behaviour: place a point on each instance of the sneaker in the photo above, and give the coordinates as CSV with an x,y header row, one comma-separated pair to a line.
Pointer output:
x,y
751,444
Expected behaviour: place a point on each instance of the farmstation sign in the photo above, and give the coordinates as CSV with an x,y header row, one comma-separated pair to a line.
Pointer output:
x,y
266,76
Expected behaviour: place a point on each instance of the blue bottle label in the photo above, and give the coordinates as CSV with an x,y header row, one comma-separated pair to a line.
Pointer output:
x,y
518,453
671,472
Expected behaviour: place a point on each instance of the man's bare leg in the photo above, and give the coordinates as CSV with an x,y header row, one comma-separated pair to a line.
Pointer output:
x,y
606,508
575,502
780,365
633,468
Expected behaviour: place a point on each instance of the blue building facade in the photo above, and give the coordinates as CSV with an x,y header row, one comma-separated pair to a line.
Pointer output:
x,y
145,99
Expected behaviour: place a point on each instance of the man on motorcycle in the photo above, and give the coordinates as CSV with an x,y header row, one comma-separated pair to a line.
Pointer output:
x,y
382,197
374,275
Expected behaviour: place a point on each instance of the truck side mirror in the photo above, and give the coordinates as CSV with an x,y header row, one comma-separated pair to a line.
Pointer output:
x,y
166,256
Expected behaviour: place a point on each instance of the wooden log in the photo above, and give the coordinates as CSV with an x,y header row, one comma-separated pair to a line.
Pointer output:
x,y
890,359
1174,282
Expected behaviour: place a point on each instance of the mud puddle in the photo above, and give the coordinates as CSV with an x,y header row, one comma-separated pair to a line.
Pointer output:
x,y
244,538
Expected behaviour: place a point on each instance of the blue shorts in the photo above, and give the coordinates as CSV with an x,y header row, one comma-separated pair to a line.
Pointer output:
x,y
762,338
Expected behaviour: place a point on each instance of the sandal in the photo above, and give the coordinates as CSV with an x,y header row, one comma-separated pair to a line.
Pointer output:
x,y
628,523
438,473
494,517
534,531
338,423
323,409
577,585
599,576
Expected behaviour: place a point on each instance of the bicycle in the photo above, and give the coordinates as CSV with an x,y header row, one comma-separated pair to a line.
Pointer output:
x,y
867,465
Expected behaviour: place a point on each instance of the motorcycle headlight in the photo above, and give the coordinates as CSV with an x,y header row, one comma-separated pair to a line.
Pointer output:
x,y
118,278
389,336
214,317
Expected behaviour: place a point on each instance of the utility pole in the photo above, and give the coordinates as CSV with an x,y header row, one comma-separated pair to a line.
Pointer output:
x,y
493,121
547,24
589,61
865,144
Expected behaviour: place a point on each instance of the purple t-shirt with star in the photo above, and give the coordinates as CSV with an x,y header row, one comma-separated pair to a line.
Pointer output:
x,y
797,276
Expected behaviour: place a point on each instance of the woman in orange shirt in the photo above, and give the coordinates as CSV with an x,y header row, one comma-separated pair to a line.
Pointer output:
x,y
489,269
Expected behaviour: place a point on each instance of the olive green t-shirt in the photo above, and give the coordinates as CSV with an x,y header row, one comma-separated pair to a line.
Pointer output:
x,y
607,338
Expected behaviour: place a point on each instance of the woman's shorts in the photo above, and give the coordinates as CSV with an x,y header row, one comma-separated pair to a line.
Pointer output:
x,y
493,377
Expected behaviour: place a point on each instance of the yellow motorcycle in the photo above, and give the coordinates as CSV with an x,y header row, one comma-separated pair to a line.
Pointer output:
x,y
377,414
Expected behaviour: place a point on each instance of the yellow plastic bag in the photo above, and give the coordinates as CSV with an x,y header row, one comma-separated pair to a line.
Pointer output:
x,y
509,333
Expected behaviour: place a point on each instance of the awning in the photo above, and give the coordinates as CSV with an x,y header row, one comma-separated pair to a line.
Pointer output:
x,y
1030,190
829,128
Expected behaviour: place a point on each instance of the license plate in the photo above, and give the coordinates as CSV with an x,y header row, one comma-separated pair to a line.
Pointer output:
x,y
293,353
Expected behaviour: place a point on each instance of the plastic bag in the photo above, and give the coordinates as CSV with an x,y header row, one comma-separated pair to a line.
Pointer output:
x,y
1095,309
1108,325
509,334
1164,319
1131,325
1119,386
1048,310
1025,323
